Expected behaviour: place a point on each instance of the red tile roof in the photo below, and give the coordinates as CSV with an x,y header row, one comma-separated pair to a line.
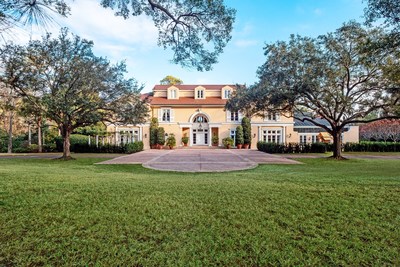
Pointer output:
x,y
188,101
192,86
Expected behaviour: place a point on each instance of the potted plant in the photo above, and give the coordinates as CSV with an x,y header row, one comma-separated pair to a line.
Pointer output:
x,y
185,140
171,141
215,140
228,142
239,137
160,137
153,132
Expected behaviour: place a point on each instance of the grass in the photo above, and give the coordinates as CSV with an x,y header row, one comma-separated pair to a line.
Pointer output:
x,y
318,213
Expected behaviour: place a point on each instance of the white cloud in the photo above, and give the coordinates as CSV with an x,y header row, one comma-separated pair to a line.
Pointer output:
x,y
318,11
245,43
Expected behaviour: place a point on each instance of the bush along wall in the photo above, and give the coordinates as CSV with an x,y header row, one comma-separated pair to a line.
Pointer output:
x,y
79,144
293,148
367,146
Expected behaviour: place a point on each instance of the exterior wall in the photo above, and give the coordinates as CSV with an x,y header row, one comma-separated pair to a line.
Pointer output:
x,y
183,113
352,135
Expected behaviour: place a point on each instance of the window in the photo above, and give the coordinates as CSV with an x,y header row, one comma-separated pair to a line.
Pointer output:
x,y
303,139
272,116
200,93
233,135
227,94
173,93
200,119
166,115
313,138
234,116
272,136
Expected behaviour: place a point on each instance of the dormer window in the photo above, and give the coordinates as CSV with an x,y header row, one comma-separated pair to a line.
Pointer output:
x,y
227,93
173,93
272,116
199,93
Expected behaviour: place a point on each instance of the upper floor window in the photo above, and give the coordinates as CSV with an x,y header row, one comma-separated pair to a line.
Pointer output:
x,y
227,94
234,116
200,119
200,93
173,94
165,115
272,116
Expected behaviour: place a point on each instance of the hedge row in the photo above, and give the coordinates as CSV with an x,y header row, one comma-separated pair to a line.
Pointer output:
x,y
368,146
122,149
293,148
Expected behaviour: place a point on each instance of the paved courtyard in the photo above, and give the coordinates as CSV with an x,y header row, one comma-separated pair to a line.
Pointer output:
x,y
200,160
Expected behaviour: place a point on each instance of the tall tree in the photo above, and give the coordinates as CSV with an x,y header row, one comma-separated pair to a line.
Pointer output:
x,y
75,87
170,80
333,77
196,30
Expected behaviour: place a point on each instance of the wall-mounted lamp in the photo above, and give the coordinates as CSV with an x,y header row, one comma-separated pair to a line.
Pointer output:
x,y
145,135
289,135
254,135
166,134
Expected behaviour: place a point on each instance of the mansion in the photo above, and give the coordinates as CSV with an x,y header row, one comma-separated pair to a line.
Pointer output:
x,y
197,112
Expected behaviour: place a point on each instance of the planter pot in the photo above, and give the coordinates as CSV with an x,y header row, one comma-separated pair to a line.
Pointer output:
x,y
239,146
246,146
228,146
215,144
159,146
184,144
171,147
153,146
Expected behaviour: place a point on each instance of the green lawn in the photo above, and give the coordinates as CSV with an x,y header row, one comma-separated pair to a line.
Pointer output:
x,y
319,213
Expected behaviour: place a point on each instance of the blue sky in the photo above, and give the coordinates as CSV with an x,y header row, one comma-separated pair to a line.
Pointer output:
x,y
257,22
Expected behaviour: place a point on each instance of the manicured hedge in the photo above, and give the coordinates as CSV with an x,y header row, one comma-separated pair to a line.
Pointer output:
x,y
368,146
121,149
293,148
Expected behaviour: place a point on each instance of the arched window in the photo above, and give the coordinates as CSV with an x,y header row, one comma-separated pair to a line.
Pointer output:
x,y
200,119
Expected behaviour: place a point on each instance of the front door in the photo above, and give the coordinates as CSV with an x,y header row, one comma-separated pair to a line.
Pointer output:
x,y
200,137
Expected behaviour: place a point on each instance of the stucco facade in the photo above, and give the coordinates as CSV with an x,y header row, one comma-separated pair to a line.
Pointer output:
x,y
197,111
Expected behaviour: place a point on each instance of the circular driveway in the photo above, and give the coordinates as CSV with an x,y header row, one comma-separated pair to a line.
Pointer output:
x,y
200,160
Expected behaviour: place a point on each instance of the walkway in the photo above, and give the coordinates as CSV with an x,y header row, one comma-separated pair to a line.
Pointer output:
x,y
200,160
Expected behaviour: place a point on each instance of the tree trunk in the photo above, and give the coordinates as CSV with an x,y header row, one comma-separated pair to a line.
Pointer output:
x,y
10,134
29,134
39,124
337,145
66,134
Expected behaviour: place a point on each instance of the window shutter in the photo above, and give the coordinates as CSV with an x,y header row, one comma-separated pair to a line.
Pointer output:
x,y
160,115
240,116
171,115
228,116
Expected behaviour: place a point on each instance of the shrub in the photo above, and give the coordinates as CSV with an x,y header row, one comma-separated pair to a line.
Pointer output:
x,y
368,146
185,140
75,139
227,141
134,147
153,131
293,148
160,136
239,135
171,141
246,130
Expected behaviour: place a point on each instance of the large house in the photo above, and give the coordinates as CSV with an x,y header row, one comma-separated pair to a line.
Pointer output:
x,y
197,112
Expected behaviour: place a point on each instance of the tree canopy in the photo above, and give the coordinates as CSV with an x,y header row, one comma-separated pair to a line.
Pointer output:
x,y
336,77
75,88
196,31
171,80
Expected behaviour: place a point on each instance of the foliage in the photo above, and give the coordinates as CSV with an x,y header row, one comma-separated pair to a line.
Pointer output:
x,y
75,139
388,10
246,130
171,141
160,136
293,148
171,80
227,142
196,31
314,214
383,130
215,139
185,140
153,131
333,77
239,135
48,72
365,146
95,129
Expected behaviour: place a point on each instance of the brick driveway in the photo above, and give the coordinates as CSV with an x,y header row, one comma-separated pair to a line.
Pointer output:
x,y
200,160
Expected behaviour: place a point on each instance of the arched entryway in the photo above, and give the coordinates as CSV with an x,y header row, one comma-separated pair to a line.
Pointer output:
x,y
200,130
